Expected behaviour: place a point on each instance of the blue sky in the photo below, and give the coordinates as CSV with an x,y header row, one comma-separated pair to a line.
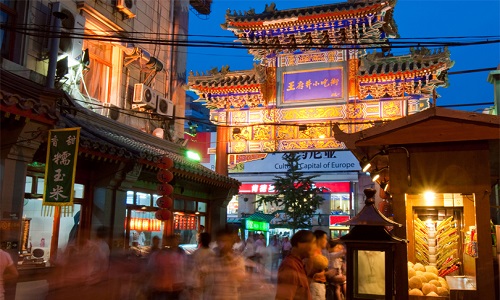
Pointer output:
x,y
414,18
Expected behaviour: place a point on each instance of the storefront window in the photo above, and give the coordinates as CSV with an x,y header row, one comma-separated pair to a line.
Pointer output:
x,y
28,186
40,184
78,190
143,199
155,197
339,203
442,232
178,204
130,197
190,205
143,227
186,226
202,207
232,207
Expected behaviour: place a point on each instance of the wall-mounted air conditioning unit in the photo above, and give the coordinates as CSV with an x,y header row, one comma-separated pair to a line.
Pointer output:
x,y
165,107
72,30
127,7
144,96
111,111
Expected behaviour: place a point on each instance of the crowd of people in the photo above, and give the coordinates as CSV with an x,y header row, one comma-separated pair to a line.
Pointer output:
x,y
306,266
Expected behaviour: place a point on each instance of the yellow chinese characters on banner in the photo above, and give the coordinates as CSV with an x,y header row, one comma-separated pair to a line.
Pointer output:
x,y
60,168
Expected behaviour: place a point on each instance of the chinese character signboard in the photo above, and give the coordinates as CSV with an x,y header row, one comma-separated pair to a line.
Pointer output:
x,y
62,152
310,85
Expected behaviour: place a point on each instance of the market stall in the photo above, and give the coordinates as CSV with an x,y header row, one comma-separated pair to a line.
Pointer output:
x,y
440,166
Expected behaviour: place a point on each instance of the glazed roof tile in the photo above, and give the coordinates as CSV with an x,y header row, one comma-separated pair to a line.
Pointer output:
x,y
272,13
418,59
127,143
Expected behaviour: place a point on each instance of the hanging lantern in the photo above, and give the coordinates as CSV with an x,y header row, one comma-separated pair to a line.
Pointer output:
x,y
165,189
163,214
164,202
165,163
164,175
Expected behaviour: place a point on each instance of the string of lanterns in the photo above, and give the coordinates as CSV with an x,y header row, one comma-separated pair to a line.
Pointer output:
x,y
165,189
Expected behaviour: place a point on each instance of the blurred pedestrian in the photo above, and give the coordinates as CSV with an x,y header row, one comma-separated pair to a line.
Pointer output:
x,y
292,277
200,268
155,244
286,247
98,263
8,271
226,270
316,266
166,271
239,245
275,246
336,278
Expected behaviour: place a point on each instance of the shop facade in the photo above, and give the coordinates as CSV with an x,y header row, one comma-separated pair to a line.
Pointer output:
x,y
337,176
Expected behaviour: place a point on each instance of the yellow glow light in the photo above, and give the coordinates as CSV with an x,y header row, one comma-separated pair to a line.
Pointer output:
x,y
429,196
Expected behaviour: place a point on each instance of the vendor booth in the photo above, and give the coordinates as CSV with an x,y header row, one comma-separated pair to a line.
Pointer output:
x,y
438,167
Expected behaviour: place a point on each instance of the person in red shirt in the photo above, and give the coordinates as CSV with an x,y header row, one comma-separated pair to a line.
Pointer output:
x,y
292,276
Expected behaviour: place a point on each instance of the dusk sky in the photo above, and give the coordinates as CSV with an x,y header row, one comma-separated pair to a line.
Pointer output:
x,y
419,20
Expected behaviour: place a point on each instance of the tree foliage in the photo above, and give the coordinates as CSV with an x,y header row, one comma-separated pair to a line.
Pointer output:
x,y
295,194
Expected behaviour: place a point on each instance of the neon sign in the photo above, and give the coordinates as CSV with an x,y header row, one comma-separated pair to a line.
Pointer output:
x,y
256,225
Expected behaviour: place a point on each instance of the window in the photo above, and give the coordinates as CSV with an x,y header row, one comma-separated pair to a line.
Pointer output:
x,y
97,77
28,186
202,207
7,18
340,203
143,199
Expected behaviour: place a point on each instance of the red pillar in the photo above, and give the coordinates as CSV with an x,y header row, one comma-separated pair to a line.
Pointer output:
x,y
221,150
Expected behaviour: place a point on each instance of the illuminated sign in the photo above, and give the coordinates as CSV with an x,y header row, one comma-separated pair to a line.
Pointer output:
x,y
313,161
256,225
334,219
268,188
323,84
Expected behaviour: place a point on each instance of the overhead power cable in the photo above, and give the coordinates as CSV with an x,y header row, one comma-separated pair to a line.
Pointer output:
x,y
266,44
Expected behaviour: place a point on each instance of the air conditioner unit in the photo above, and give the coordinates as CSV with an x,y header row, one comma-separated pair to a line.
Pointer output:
x,y
111,111
127,7
165,107
72,31
143,96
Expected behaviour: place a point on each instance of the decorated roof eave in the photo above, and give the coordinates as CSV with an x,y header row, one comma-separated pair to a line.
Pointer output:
x,y
225,81
302,15
149,156
404,74
23,97
421,60
367,142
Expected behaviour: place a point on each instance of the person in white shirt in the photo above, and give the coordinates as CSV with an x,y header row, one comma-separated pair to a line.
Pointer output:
x,y
8,271
226,270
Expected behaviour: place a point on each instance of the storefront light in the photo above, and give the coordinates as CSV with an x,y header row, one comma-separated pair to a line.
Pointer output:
x,y
429,197
143,224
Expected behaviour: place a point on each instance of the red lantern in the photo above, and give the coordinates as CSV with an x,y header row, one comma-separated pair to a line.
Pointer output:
x,y
165,189
165,163
164,202
164,175
163,214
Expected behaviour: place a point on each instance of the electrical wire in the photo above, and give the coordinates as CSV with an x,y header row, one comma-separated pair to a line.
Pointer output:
x,y
232,45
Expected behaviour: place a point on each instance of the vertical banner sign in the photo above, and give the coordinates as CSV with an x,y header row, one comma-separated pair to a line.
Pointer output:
x,y
62,152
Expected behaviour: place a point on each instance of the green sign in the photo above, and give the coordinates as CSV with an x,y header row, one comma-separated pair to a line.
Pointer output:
x,y
256,225
62,151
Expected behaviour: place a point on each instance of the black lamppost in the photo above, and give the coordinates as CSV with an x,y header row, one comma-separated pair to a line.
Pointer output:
x,y
370,254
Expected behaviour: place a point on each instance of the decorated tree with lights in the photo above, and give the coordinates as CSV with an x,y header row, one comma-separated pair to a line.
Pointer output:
x,y
295,193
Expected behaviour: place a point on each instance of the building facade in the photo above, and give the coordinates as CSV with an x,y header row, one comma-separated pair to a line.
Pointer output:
x,y
115,70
